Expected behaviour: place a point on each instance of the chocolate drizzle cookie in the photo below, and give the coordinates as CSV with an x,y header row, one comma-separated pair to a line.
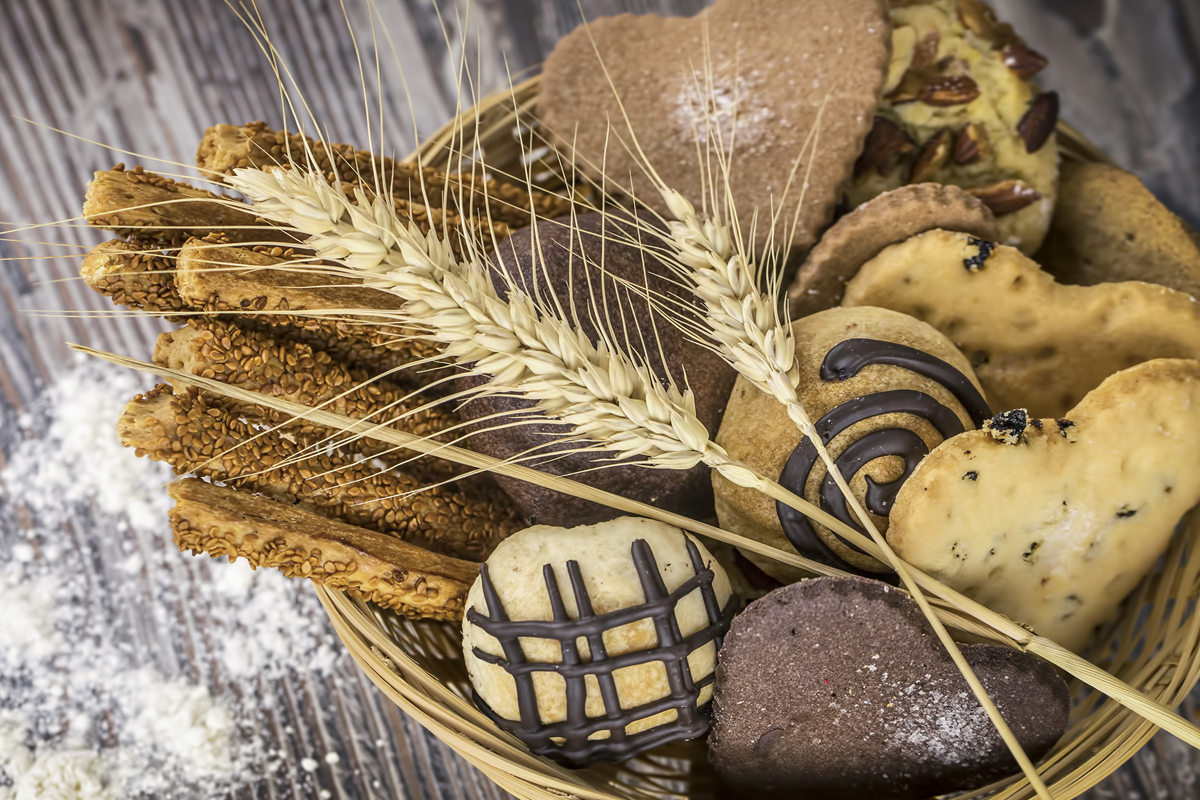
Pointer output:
x,y
843,361
590,675
871,378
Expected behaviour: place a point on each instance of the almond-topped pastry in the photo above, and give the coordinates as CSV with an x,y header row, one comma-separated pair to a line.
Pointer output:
x,y
961,107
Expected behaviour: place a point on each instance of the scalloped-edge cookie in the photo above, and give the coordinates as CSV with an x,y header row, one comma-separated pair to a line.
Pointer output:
x,y
885,220
1033,343
1109,227
1053,524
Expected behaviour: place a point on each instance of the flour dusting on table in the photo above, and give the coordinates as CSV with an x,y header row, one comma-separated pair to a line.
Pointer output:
x,y
104,693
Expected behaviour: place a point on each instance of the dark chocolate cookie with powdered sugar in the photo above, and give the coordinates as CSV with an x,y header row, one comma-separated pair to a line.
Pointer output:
x,y
838,688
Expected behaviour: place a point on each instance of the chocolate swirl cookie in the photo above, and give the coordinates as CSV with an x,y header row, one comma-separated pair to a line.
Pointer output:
x,y
870,377
844,361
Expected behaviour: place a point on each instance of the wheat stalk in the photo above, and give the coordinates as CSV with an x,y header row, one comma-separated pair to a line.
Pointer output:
x,y
517,342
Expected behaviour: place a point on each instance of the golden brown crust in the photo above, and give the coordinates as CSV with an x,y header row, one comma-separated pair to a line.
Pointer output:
x,y
882,221
136,200
1109,227
382,569
207,436
423,192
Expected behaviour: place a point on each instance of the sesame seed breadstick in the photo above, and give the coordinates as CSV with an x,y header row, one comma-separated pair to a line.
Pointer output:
x,y
195,433
135,200
226,147
138,274
257,360
240,279
382,569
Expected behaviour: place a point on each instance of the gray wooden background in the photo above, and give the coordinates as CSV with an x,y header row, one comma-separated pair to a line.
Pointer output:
x,y
147,76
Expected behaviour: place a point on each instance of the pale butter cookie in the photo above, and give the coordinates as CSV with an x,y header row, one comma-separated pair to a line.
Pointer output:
x,y
1052,522
1034,343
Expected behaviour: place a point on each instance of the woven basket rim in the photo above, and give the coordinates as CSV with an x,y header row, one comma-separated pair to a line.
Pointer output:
x,y
1109,732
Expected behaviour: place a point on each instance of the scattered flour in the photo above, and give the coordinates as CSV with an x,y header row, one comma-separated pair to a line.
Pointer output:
x,y
102,695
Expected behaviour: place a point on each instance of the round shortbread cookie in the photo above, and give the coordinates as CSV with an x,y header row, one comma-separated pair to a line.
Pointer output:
x,y
1108,227
887,219
864,382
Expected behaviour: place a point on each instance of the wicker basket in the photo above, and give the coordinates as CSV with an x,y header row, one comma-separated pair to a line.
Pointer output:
x,y
1154,646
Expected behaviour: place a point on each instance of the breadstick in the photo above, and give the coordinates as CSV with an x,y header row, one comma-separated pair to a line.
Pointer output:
x,y
386,571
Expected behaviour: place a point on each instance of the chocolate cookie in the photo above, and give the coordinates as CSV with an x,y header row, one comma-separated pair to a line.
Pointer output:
x,y
838,688
746,79
598,642
563,259
887,219
883,389
960,108
1108,227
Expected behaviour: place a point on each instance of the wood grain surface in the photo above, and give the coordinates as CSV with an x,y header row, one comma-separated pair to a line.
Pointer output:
x,y
139,80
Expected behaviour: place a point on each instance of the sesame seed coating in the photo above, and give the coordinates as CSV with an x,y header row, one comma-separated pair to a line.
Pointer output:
x,y
391,573
255,359
208,437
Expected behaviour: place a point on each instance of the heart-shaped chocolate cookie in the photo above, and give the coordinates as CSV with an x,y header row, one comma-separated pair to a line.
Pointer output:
x,y
749,78
1053,522
1034,343
838,688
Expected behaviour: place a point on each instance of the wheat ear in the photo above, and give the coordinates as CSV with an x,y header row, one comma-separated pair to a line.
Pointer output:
x,y
747,331
517,342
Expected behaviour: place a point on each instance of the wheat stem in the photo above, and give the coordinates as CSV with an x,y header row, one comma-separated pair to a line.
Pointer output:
x,y
745,326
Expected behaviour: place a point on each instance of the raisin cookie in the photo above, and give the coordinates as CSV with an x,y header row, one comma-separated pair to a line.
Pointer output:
x,y
1034,343
1059,552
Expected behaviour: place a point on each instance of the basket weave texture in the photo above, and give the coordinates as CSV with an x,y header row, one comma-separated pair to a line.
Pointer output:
x,y
1154,646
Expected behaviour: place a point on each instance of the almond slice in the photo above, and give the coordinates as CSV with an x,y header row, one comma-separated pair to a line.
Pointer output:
x,y
1005,197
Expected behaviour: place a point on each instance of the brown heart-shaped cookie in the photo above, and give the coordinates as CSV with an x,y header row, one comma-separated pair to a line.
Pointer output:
x,y
1053,522
838,688
754,75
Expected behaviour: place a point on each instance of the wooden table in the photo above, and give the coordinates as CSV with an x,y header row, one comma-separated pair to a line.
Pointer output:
x,y
147,76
